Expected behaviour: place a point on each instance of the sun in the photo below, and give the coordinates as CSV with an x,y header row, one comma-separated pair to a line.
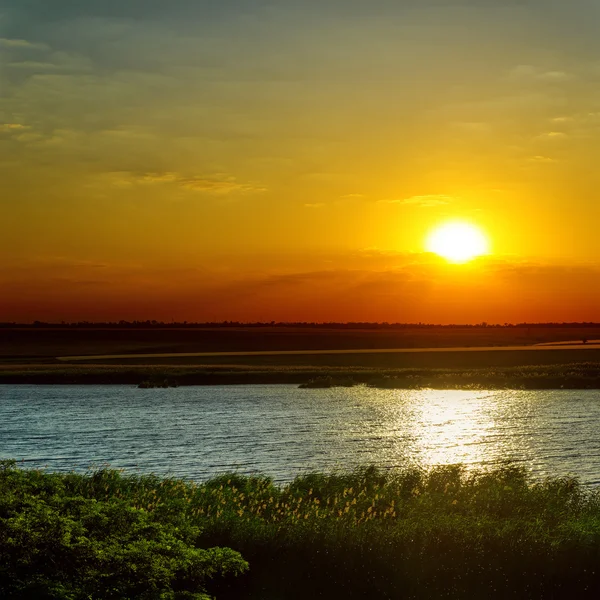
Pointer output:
x,y
458,242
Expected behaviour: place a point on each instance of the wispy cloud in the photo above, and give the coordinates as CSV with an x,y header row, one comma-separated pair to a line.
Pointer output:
x,y
17,43
352,196
13,127
542,159
33,65
554,76
221,186
472,126
426,201
159,177
214,186
552,135
532,72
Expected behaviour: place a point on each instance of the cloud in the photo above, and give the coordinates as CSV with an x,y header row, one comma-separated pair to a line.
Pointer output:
x,y
26,138
542,159
213,186
32,65
13,127
552,135
405,288
419,289
49,267
65,262
50,63
16,43
554,76
531,72
352,196
206,185
472,126
426,201
159,178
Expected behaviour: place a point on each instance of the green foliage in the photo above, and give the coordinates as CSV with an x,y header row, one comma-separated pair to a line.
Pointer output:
x,y
56,542
442,533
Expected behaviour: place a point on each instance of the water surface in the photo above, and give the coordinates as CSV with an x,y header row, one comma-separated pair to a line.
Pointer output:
x,y
279,430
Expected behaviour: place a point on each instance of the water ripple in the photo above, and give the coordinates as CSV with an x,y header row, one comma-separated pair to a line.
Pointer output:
x,y
197,432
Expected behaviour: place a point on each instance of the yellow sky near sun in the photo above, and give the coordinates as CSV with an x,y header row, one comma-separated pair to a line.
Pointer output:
x,y
198,151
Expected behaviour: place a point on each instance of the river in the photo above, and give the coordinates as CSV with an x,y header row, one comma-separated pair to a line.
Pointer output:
x,y
281,431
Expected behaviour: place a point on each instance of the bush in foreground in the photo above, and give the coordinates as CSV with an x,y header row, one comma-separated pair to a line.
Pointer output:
x,y
56,543
442,533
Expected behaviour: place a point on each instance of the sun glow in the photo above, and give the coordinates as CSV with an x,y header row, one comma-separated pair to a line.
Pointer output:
x,y
458,242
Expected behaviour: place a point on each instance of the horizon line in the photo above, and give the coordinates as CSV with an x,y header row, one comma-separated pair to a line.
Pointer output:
x,y
316,324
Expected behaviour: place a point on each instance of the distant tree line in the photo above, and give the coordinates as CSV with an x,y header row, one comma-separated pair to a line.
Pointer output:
x,y
153,324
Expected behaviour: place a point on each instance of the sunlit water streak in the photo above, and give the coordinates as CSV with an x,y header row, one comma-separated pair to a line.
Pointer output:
x,y
279,430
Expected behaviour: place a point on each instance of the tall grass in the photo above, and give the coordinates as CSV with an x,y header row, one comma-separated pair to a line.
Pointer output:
x,y
441,533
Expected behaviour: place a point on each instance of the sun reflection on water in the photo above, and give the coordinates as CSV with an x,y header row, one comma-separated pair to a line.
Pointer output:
x,y
456,425
450,427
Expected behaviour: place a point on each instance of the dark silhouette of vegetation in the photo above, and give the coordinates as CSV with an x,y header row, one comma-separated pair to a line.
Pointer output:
x,y
535,377
154,324
412,533
165,383
328,381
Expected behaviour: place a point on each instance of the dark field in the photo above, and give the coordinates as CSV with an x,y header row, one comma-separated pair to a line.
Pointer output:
x,y
30,356
451,359
25,345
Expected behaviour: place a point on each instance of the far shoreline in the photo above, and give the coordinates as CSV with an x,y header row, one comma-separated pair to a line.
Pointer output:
x,y
569,376
412,358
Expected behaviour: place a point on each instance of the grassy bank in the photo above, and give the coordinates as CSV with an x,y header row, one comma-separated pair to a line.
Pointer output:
x,y
442,533
543,377
536,377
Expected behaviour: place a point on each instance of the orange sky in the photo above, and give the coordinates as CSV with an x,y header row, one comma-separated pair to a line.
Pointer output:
x,y
286,161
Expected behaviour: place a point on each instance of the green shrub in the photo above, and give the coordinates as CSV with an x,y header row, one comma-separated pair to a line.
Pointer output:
x,y
57,545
